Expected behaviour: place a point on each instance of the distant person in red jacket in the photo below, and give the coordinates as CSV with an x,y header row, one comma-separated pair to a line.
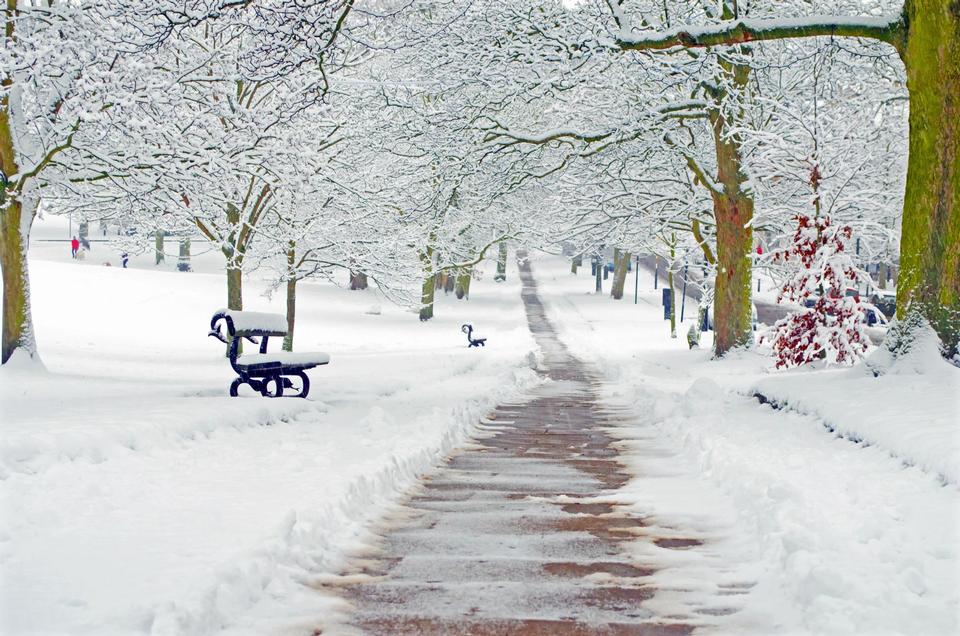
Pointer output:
x,y
74,246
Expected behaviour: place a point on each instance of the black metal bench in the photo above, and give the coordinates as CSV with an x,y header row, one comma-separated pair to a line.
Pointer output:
x,y
268,373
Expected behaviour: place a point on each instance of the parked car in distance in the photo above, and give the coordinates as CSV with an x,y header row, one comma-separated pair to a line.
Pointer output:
x,y
885,300
874,316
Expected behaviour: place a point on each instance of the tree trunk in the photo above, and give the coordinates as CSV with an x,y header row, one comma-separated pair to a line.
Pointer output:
x,y
83,233
621,261
358,280
291,296
426,297
462,288
929,277
158,247
15,223
597,275
429,285
234,287
183,262
501,263
575,263
882,276
673,298
733,213
450,283
291,313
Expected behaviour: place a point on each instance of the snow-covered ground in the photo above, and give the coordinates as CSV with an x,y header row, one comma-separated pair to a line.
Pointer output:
x,y
136,497
835,536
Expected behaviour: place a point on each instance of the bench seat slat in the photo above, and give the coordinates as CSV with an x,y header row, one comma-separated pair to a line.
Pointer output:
x,y
286,359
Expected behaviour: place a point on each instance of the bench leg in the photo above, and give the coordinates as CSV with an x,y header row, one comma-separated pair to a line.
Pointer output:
x,y
277,382
234,386
303,384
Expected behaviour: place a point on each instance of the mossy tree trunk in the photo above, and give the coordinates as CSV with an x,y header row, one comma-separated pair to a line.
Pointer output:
x,y
929,278
621,262
15,223
429,284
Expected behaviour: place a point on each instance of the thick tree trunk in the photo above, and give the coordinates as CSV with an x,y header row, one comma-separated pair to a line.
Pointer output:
x,y
882,276
621,262
15,223
234,287
731,311
462,288
501,274
158,248
450,283
358,280
733,213
929,278
575,263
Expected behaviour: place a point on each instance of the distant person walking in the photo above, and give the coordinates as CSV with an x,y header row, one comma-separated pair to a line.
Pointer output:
x,y
124,258
74,246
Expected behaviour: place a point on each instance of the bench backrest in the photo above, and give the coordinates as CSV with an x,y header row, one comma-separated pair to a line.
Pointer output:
x,y
251,323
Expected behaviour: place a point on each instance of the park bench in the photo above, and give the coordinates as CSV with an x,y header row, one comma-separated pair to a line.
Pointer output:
x,y
268,373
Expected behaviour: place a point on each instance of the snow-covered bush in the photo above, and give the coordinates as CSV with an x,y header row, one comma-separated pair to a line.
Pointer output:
x,y
830,326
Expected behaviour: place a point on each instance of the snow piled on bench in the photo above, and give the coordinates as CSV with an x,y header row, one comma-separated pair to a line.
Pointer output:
x,y
286,358
256,321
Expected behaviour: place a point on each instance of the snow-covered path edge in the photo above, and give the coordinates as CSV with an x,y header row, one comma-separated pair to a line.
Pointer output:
x,y
269,590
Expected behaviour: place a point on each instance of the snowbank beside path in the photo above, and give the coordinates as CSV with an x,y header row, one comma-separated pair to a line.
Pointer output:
x,y
136,498
827,536
913,416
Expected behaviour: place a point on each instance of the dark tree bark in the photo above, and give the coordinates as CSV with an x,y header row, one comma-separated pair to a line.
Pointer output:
x,y
358,280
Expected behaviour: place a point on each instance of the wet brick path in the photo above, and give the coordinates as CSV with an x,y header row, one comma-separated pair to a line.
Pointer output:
x,y
507,538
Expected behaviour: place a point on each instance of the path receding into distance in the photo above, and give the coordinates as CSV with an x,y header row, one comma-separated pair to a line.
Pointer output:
x,y
511,534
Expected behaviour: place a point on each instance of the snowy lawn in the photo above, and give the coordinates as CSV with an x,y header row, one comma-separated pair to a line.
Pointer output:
x,y
828,535
136,497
